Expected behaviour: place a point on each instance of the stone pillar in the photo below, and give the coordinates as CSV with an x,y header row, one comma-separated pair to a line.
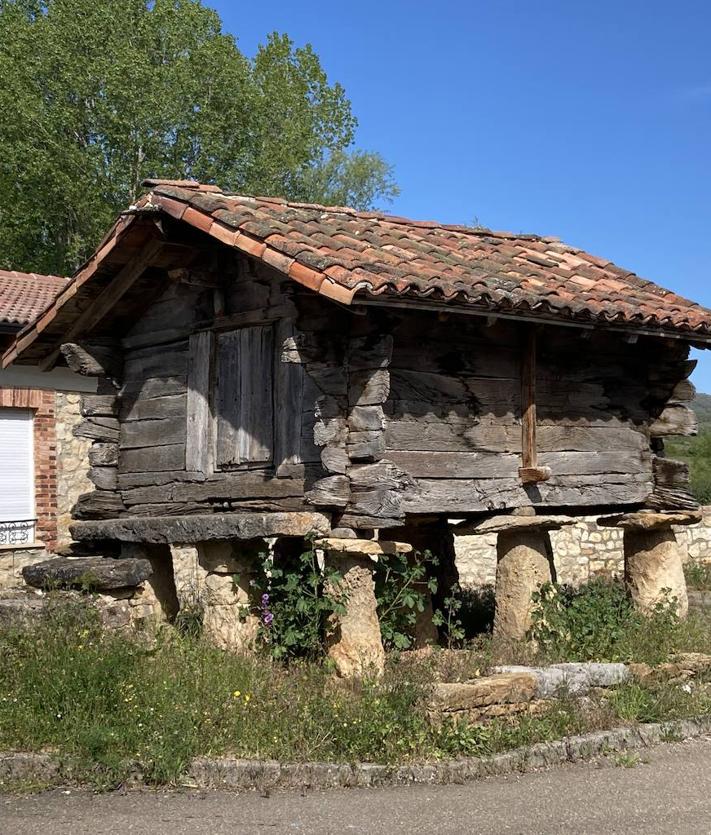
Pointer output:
x,y
213,580
654,570
524,562
523,565
654,559
355,644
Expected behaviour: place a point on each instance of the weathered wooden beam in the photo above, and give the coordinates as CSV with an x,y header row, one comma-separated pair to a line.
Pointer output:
x,y
92,360
529,472
119,286
676,419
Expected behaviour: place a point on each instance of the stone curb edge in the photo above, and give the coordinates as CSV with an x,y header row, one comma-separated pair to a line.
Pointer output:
x,y
241,774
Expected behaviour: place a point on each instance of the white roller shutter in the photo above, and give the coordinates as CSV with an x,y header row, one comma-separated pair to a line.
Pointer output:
x,y
17,477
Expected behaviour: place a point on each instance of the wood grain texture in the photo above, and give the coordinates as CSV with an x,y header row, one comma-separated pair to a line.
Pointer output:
x,y
199,416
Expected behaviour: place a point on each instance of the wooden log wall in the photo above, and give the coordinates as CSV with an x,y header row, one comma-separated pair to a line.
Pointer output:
x,y
375,415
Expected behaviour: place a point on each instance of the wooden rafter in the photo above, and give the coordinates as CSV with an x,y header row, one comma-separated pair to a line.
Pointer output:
x,y
119,286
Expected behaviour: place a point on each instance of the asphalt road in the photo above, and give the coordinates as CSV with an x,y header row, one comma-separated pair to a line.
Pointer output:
x,y
668,791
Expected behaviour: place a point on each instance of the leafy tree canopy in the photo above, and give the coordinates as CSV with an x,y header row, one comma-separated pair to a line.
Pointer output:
x,y
96,96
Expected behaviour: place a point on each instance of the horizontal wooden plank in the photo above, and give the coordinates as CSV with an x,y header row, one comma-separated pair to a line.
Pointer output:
x,y
154,387
153,433
167,406
495,436
473,465
152,459
237,485
163,361
477,495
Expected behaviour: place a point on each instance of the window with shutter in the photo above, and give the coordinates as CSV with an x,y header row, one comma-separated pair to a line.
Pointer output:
x,y
17,477
244,397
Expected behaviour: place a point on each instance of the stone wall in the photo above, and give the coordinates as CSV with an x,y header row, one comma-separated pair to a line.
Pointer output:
x,y
580,551
61,467
72,462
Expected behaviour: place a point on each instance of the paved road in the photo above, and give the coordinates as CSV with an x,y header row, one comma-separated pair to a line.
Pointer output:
x,y
669,792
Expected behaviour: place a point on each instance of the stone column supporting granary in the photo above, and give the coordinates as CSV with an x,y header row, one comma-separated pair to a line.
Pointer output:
x,y
212,583
524,564
355,645
654,559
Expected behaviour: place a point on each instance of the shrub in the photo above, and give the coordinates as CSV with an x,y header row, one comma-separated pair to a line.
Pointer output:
x,y
597,622
401,584
298,600
698,575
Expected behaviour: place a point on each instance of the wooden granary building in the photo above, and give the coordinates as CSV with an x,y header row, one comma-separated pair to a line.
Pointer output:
x,y
271,368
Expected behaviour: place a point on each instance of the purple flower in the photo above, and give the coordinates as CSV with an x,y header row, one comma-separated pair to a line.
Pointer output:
x,y
265,600
267,618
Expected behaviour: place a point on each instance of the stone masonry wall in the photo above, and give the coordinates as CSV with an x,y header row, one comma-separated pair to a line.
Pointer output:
x,y
72,462
580,551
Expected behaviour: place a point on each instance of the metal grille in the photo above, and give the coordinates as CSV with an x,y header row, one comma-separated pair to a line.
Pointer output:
x,y
18,532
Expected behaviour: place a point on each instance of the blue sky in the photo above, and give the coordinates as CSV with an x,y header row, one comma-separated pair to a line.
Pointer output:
x,y
586,120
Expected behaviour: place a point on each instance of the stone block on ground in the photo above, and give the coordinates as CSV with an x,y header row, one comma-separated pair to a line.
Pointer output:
x,y
571,678
94,573
20,609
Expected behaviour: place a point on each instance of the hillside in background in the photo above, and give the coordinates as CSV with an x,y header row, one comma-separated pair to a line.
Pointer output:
x,y
702,406
696,451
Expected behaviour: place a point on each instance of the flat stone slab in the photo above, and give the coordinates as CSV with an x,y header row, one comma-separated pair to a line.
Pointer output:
x,y
514,687
513,522
187,530
95,573
648,520
573,679
363,547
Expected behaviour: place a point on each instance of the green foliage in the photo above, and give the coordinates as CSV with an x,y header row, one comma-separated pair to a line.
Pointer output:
x,y
449,617
107,704
696,451
298,600
698,575
597,622
401,584
97,96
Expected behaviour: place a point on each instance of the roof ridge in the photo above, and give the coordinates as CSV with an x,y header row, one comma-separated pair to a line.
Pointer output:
x,y
399,220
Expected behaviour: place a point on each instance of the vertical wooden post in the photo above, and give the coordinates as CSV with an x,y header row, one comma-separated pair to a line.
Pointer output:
x,y
529,472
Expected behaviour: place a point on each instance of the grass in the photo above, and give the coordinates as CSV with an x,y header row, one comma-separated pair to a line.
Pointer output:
x,y
109,706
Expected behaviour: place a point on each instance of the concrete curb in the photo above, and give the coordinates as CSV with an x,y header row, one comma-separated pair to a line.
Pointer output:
x,y
241,774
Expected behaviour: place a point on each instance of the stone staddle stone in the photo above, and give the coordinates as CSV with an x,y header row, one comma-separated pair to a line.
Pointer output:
x,y
654,569
523,565
355,644
514,522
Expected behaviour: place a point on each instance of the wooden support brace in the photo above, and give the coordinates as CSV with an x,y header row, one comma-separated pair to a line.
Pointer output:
x,y
529,472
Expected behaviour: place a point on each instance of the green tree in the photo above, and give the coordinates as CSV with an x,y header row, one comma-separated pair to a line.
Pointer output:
x,y
96,96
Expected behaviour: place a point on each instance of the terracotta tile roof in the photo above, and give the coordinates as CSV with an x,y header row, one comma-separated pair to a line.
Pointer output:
x,y
347,255
340,252
23,296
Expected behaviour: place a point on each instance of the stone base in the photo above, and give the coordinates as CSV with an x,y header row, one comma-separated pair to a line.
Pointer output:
x,y
213,581
524,564
355,645
654,569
